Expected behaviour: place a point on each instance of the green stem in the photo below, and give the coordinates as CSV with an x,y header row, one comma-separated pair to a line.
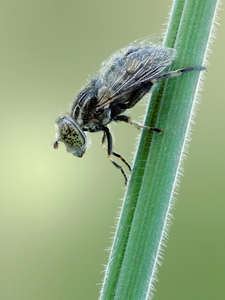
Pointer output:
x,y
144,218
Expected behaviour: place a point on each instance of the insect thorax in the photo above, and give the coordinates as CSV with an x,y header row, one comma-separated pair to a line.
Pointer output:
x,y
84,109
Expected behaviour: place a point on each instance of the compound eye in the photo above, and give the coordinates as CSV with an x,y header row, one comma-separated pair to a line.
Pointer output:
x,y
69,132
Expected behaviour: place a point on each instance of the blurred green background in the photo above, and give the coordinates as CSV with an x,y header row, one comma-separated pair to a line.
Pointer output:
x,y
57,211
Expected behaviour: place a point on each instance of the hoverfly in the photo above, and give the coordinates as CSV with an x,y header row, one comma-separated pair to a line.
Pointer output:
x,y
121,82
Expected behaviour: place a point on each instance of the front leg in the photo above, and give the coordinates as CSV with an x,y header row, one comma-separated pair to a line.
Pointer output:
x,y
108,137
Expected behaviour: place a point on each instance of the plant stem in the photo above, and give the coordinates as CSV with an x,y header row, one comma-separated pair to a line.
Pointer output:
x,y
143,223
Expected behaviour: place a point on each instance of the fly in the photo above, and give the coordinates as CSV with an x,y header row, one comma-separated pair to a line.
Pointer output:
x,y
121,82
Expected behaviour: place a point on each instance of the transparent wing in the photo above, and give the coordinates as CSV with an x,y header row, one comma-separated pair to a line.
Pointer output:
x,y
133,66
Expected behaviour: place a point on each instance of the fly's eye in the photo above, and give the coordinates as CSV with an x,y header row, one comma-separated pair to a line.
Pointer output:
x,y
69,132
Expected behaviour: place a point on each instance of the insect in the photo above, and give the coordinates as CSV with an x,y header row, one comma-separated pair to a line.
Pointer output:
x,y
121,82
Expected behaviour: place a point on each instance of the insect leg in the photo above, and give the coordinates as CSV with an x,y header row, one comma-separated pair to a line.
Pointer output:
x,y
107,136
128,120
179,72
122,158
113,152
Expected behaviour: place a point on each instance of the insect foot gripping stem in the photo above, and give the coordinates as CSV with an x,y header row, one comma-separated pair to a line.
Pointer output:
x,y
128,120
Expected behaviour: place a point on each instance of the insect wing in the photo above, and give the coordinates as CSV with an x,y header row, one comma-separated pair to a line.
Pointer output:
x,y
132,66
